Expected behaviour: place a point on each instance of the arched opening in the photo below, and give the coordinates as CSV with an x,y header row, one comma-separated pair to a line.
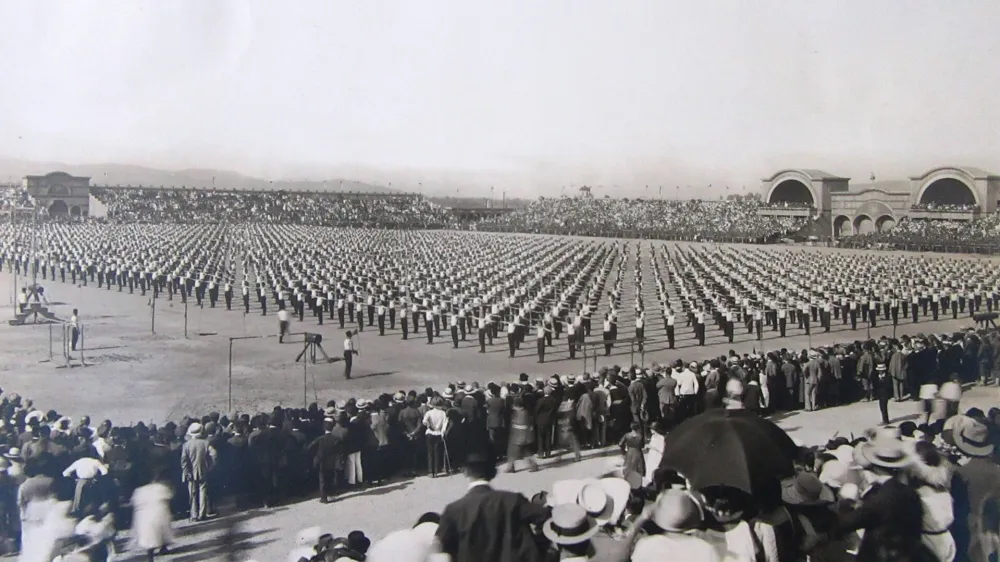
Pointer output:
x,y
948,192
864,224
885,223
792,193
841,226
74,211
58,207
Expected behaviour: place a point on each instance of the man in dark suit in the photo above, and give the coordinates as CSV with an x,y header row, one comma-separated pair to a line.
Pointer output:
x,y
488,525
328,452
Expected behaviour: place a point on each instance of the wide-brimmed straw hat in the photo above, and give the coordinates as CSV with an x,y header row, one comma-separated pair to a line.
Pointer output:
x,y
677,511
885,450
972,437
569,524
603,499
805,489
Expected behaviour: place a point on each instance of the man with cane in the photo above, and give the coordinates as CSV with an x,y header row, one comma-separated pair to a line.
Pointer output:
x,y
349,353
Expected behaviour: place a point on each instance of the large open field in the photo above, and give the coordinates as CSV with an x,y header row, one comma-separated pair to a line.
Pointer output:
x,y
134,374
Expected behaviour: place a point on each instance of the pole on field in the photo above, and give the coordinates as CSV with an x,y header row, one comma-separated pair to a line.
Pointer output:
x,y
305,379
50,342
152,326
185,318
230,374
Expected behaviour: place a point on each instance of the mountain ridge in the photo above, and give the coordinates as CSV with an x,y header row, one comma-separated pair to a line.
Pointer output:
x,y
129,174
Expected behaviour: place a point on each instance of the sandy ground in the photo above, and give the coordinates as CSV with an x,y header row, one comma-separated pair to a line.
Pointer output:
x,y
134,374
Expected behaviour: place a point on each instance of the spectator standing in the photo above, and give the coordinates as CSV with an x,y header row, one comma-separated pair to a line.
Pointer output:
x,y
198,458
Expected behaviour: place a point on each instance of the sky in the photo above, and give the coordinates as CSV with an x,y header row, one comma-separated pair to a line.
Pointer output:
x,y
535,98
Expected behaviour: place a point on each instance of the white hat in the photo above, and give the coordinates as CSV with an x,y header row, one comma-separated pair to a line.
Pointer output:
x,y
194,429
603,499
569,524
407,545
652,548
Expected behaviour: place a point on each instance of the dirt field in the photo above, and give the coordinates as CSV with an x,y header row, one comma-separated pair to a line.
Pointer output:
x,y
133,374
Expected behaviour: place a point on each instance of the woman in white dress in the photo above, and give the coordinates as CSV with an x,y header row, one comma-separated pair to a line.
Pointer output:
x,y
151,530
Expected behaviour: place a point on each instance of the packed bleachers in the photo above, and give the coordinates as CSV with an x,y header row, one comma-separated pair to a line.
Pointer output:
x,y
143,205
645,218
981,235
680,220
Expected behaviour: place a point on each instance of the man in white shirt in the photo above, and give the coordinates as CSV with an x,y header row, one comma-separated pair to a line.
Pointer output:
x,y
74,322
686,391
283,318
349,353
85,470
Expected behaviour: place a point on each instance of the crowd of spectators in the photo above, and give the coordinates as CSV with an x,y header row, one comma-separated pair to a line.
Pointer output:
x,y
786,205
946,207
137,205
98,479
655,218
908,233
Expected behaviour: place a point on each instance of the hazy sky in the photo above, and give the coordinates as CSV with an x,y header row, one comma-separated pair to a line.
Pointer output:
x,y
530,95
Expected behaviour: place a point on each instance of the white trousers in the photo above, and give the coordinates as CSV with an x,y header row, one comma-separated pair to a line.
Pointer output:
x,y
352,469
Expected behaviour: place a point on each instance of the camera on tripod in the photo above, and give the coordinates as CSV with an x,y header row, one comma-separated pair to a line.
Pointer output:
x,y
314,345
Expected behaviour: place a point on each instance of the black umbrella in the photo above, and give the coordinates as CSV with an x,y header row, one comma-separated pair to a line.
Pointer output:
x,y
733,448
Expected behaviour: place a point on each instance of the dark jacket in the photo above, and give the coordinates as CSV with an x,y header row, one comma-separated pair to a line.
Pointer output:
x,y
891,515
545,410
327,450
488,525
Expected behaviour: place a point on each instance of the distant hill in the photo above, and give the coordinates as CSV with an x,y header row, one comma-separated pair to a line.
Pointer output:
x,y
123,174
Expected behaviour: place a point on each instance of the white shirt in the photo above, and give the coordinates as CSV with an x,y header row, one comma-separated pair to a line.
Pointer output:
x,y
74,321
436,421
348,344
283,315
687,383
86,468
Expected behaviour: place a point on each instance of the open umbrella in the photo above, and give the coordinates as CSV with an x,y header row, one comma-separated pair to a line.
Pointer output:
x,y
732,448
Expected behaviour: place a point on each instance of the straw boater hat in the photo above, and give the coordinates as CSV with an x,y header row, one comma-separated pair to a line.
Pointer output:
x,y
569,524
806,489
194,429
885,450
448,393
972,437
603,499
399,397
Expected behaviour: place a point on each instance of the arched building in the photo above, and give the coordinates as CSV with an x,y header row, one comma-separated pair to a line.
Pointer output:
x,y
945,193
60,193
